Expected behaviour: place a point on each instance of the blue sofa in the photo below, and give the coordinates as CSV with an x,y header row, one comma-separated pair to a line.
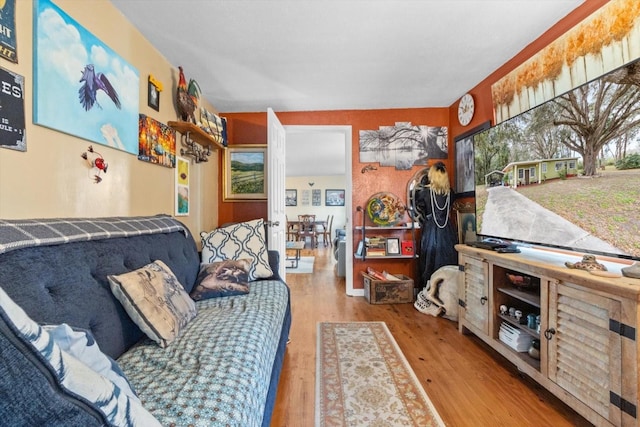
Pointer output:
x,y
223,368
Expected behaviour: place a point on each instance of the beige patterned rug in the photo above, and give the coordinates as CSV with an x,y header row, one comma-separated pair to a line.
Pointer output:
x,y
363,379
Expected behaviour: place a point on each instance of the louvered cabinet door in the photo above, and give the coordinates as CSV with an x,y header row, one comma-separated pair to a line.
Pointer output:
x,y
584,354
476,292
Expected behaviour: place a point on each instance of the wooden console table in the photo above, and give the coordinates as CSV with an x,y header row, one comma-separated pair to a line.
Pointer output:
x,y
588,351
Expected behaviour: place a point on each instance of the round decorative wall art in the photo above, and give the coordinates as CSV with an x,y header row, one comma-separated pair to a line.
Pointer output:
x,y
385,209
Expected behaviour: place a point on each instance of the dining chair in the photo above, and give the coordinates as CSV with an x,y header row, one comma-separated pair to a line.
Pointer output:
x,y
326,232
292,229
307,228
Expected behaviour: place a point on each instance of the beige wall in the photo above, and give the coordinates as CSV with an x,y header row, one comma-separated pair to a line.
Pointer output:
x,y
50,179
322,183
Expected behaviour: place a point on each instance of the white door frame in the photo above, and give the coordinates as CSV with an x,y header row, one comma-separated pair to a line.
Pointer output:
x,y
347,132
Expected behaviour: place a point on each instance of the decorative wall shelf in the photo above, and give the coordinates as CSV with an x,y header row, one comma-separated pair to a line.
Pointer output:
x,y
196,134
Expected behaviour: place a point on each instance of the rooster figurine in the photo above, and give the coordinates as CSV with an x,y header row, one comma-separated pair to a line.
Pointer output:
x,y
187,98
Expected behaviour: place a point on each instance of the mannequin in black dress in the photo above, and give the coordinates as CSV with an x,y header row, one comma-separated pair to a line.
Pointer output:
x,y
433,203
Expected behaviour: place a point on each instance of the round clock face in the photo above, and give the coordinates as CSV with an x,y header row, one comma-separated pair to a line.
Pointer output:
x,y
465,109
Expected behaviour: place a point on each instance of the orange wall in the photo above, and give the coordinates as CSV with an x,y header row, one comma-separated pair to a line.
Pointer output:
x,y
250,128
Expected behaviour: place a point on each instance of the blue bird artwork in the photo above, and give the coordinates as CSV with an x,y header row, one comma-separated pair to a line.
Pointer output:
x,y
88,92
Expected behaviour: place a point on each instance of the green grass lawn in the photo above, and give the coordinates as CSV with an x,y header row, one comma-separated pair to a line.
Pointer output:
x,y
607,206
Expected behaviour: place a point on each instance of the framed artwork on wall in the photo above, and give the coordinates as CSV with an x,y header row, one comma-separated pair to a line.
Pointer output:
x,y
98,98
245,172
334,197
316,196
291,197
465,170
13,129
153,96
306,197
156,142
182,186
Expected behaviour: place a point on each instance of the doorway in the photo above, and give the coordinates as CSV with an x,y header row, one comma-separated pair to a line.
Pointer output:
x,y
324,150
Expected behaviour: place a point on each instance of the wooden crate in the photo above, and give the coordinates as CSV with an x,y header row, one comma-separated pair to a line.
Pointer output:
x,y
388,292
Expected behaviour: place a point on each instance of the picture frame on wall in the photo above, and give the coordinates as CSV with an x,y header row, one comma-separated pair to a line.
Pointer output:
x,y
153,96
334,197
245,172
182,187
306,197
290,197
465,170
466,226
13,133
316,196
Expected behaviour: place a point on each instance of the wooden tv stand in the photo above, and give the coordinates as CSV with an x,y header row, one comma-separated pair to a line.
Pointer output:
x,y
588,326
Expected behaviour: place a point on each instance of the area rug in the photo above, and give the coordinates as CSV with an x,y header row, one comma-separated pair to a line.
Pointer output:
x,y
305,265
363,379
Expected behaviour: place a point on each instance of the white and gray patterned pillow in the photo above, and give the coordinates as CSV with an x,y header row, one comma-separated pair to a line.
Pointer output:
x,y
74,378
81,344
239,241
155,300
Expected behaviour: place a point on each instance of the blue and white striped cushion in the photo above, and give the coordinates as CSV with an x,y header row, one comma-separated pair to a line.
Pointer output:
x,y
74,378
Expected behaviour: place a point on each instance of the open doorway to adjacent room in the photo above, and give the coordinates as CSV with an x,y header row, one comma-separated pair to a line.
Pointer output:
x,y
318,169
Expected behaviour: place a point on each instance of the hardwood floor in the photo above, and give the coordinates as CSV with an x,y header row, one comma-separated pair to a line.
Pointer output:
x,y
469,383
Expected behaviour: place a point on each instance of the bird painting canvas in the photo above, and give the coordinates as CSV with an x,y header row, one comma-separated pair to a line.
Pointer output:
x,y
81,86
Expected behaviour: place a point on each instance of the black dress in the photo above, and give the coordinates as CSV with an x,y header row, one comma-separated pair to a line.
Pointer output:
x,y
438,233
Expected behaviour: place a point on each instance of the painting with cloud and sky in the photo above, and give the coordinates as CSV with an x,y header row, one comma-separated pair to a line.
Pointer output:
x,y
81,86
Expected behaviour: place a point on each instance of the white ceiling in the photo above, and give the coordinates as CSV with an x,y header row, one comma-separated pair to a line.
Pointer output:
x,y
315,153
306,55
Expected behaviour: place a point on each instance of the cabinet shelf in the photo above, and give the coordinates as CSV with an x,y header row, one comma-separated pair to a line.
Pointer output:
x,y
382,228
527,297
196,134
520,326
534,363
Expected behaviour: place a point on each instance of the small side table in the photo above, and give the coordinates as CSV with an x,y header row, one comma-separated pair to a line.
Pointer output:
x,y
297,246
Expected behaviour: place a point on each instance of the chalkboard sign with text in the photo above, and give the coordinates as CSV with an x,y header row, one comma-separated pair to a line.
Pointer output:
x,y
12,123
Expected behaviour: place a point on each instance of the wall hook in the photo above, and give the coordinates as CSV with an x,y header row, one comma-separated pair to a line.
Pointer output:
x,y
368,168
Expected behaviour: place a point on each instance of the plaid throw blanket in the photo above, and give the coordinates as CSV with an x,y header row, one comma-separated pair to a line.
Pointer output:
x,y
23,233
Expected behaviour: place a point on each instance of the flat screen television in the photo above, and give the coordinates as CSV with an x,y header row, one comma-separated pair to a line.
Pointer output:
x,y
566,174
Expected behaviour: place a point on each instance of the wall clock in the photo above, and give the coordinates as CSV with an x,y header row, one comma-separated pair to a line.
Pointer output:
x,y
466,109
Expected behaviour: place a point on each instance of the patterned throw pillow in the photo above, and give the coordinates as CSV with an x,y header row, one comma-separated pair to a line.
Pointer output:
x,y
80,344
155,300
222,279
75,380
238,241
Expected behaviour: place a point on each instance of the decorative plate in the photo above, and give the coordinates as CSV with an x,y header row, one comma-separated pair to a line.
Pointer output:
x,y
385,209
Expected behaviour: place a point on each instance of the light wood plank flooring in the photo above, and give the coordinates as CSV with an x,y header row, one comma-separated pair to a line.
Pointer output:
x,y
469,383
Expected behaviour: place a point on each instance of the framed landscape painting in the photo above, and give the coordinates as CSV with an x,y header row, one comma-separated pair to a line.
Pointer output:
x,y
245,172
334,198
